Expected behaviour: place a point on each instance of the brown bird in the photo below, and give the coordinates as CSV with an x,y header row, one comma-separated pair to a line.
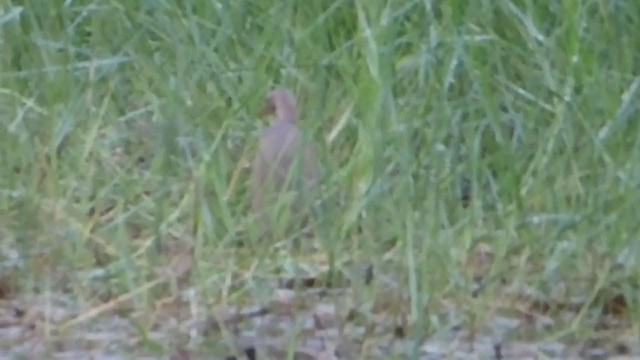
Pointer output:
x,y
284,164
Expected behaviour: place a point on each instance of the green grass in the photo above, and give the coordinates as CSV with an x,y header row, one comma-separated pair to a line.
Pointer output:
x,y
127,128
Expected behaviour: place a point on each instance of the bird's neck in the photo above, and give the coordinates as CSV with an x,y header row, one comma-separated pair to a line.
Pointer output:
x,y
287,113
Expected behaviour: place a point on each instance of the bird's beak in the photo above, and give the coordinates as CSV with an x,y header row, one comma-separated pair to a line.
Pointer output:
x,y
267,110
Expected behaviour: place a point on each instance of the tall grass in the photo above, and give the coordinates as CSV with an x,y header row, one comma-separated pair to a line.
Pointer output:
x,y
127,128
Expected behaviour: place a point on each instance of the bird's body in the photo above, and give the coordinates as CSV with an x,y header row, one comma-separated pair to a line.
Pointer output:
x,y
284,171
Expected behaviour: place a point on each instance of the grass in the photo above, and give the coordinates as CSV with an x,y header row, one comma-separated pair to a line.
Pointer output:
x,y
128,128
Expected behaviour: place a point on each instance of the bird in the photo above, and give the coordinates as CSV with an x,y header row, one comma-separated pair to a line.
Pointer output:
x,y
284,165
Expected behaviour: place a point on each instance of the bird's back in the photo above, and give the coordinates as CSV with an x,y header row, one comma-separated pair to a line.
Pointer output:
x,y
282,163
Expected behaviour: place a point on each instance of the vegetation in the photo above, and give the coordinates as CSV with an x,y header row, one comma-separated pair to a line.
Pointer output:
x,y
127,129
